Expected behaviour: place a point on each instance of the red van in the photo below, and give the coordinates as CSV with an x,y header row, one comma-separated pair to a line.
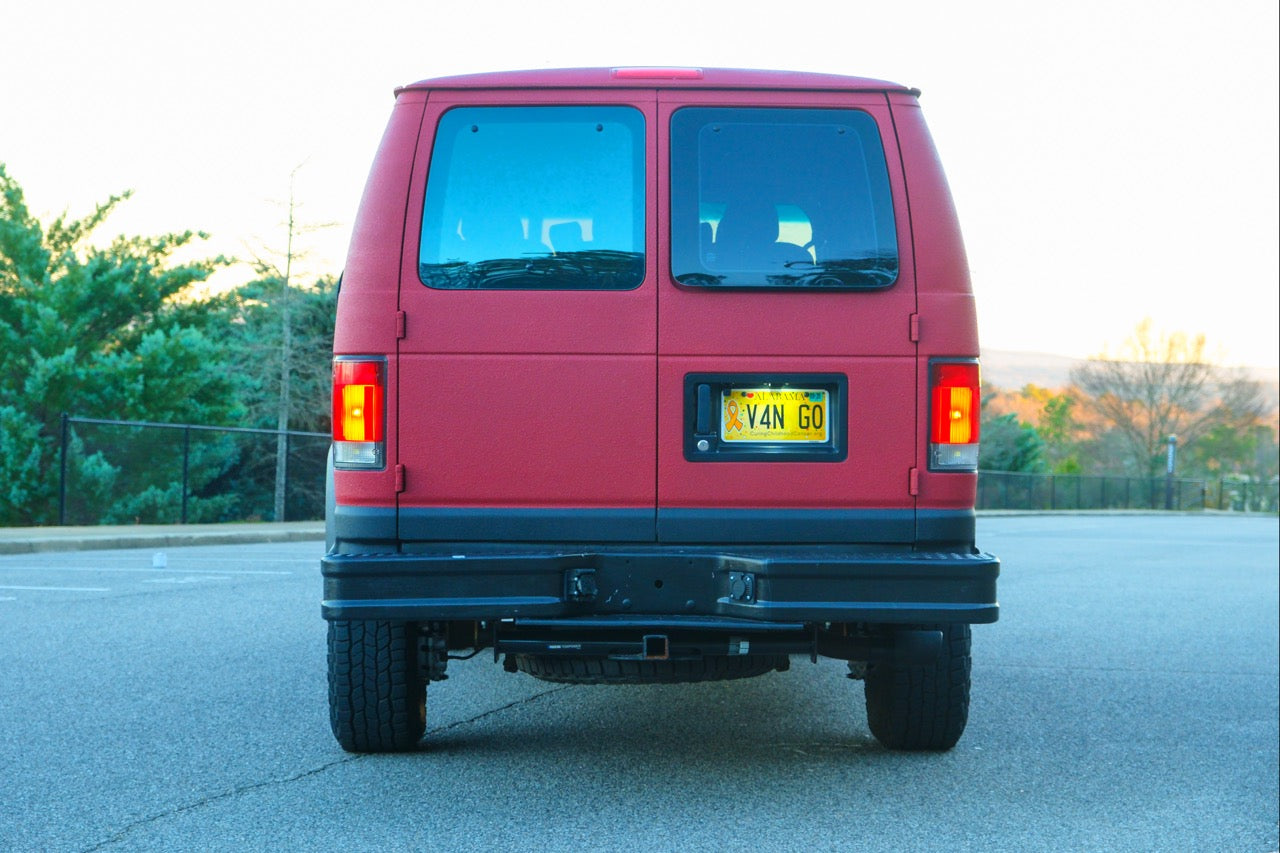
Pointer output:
x,y
655,375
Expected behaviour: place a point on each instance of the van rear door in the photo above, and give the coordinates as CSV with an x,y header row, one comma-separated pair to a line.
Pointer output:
x,y
527,363
786,361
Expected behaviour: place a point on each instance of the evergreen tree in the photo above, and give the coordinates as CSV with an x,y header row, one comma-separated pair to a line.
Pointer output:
x,y
1009,445
92,331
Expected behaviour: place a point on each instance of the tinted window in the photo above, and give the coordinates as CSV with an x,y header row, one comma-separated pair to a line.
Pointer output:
x,y
780,198
535,198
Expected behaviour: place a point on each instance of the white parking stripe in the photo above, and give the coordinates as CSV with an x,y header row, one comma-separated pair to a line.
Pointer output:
x,y
187,580
59,588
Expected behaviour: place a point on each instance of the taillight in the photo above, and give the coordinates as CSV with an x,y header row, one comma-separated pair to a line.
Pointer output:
x,y
359,410
954,401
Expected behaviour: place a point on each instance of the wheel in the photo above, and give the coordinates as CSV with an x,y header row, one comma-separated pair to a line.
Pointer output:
x,y
922,707
377,698
572,670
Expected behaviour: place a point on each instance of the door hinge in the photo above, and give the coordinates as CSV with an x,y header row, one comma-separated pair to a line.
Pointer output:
x,y
913,482
401,323
915,328
399,469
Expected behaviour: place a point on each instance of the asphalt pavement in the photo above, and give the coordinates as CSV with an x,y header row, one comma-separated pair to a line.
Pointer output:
x,y
1128,699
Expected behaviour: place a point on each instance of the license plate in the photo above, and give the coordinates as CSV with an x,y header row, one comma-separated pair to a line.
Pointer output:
x,y
771,415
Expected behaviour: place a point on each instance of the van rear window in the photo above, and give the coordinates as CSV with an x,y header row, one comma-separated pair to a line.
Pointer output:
x,y
535,198
780,198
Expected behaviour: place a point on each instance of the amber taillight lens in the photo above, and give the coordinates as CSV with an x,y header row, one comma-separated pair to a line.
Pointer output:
x,y
359,411
954,418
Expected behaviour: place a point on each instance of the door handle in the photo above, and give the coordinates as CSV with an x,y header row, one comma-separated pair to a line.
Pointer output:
x,y
704,410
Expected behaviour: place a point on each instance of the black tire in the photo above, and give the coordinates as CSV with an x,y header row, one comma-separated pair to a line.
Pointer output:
x,y
571,670
926,707
377,698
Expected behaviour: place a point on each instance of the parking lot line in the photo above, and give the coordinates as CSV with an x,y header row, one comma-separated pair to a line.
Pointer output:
x,y
58,588
200,579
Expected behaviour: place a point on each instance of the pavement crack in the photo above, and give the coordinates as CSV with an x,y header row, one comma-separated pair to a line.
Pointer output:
x,y
124,832
528,700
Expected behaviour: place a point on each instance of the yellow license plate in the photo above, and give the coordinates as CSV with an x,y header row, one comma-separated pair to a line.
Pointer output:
x,y
788,415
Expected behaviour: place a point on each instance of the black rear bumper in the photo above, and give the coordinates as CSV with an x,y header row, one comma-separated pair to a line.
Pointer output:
x,y
768,585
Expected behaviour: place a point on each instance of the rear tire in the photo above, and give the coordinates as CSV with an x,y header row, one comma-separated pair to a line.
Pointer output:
x,y
571,670
377,698
926,707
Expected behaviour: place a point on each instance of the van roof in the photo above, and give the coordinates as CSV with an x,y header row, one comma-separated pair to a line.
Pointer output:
x,y
651,77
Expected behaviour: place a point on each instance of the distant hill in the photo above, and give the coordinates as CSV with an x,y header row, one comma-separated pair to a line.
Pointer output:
x,y
1011,370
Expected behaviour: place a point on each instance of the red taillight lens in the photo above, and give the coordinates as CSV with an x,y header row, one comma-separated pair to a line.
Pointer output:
x,y
359,388
955,397
357,400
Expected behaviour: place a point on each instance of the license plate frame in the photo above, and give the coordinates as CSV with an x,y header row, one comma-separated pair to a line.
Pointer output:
x,y
708,432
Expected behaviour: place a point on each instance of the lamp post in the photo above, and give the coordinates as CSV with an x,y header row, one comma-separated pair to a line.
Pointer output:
x,y
1168,471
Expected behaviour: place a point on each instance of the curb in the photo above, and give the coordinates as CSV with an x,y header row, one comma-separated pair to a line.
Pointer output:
x,y
35,540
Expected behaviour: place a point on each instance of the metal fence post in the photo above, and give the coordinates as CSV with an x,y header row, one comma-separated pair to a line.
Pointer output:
x,y
186,464
62,475
284,504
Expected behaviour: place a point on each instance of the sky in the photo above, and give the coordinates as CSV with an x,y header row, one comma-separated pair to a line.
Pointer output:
x,y
1110,161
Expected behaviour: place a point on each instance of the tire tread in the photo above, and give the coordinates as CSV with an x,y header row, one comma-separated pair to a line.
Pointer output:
x,y
376,695
922,708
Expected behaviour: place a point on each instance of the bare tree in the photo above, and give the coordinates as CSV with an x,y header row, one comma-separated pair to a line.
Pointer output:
x,y
1163,385
286,359
283,270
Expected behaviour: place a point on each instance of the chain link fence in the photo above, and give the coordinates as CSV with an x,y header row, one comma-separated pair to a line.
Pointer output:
x,y
1011,490
136,472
